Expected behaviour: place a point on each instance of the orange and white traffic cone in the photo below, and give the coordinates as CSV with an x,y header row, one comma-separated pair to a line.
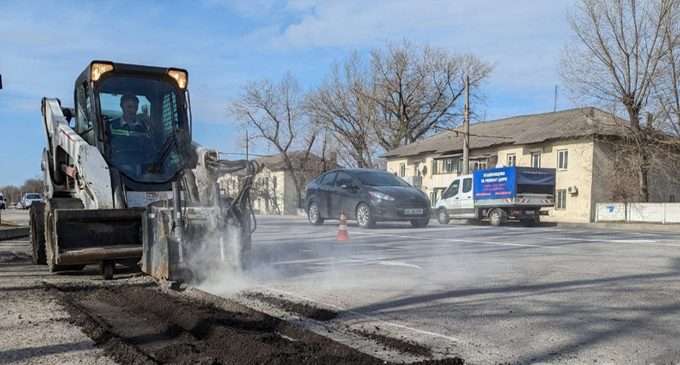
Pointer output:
x,y
342,228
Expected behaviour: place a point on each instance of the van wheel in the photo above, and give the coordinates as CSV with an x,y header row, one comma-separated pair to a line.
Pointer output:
x,y
443,216
497,217
314,215
364,216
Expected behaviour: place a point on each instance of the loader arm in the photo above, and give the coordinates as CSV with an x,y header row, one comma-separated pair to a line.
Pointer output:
x,y
71,165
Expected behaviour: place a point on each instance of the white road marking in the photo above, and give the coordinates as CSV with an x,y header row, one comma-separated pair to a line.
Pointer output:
x,y
382,321
455,240
399,263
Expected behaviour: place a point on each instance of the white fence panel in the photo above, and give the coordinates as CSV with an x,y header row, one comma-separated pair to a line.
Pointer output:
x,y
638,212
672,213
645,212
610,212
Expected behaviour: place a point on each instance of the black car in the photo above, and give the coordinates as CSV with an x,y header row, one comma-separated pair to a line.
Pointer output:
x,y
367,196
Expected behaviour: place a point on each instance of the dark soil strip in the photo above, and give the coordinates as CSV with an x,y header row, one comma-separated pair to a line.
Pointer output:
x,y
138,324
303,309
403,346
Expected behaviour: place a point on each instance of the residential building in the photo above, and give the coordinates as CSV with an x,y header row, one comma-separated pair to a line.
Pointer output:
x,y
274,189
580,144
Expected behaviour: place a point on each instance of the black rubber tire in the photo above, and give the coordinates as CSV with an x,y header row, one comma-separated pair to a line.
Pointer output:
x,y
108,268
443,216
314,218
531,222
37,233
364,216
497,217
420,223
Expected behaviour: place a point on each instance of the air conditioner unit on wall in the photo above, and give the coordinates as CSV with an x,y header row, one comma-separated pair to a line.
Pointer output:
x,y
573,190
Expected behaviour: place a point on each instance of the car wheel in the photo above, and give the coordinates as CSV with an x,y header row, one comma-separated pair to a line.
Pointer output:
x,y
365,218
420,223
530,222
314,215
497,217
443,216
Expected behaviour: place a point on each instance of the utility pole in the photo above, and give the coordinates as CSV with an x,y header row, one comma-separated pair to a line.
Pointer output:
x,y
555,100
247,141
466,128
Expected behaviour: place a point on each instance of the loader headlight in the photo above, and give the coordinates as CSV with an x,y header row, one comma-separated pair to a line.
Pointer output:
x,y
379,196
97,69
180,77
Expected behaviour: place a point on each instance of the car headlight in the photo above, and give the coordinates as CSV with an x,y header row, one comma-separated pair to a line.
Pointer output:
x,y
379,196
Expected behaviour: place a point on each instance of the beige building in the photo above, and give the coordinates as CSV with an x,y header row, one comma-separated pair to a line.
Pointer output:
x,y
578,143
274,190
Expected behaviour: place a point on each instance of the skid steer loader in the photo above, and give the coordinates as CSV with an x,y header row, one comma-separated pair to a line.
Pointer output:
x,y
124,180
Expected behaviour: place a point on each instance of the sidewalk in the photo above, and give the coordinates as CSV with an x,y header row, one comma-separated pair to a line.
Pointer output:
x,y
635,227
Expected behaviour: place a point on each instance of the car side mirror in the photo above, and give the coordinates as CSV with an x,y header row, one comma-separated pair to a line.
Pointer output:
x,y
348,187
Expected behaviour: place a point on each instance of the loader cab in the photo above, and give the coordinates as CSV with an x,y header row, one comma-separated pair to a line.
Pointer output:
x,y
148,146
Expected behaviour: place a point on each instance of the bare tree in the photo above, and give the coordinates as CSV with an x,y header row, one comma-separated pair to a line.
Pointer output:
x,y
417,90
400,95
274,112
340,105
617,60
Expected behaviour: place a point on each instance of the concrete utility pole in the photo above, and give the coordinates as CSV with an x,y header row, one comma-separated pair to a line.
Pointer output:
x,y
555,100
247,141
466,128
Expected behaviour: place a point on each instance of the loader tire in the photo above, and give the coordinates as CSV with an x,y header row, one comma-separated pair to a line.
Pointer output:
x,y
37,235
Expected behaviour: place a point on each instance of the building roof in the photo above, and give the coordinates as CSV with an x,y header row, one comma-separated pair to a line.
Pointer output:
x,y
519,130
277,163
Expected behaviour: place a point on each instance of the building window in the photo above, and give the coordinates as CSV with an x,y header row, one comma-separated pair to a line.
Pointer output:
x,y
478,165
562,159
536,159
512,159
402,169
561,202
434,167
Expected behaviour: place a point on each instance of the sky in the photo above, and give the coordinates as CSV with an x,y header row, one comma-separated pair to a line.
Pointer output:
x,y
44,45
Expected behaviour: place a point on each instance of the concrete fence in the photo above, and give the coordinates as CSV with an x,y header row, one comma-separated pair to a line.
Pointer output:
x,y
663,213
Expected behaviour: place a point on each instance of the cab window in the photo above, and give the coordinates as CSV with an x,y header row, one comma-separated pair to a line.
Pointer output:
x,y
467,185
452,190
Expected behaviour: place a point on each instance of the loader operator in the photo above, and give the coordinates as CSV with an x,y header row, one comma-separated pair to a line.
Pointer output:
x,y
129,123
130,135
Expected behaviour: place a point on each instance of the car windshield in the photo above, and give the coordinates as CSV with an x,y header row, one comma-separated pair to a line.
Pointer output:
x,y
141,116
376,178
33,196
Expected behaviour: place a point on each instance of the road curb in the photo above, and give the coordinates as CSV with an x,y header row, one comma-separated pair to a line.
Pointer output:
x,y
637,227
10,233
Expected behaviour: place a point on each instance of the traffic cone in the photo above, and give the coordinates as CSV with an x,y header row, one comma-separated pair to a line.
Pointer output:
x,y
342,228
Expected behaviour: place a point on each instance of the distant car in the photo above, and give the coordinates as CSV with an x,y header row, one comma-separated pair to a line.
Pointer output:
x,y
367,196
3,203
30,198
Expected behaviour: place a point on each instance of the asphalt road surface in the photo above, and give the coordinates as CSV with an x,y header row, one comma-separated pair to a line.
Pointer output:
x,y
506,294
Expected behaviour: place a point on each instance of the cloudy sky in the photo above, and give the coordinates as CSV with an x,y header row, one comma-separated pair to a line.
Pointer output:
x,y
44,45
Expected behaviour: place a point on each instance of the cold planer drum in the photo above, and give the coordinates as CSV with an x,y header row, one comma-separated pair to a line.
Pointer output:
x,y
189,247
